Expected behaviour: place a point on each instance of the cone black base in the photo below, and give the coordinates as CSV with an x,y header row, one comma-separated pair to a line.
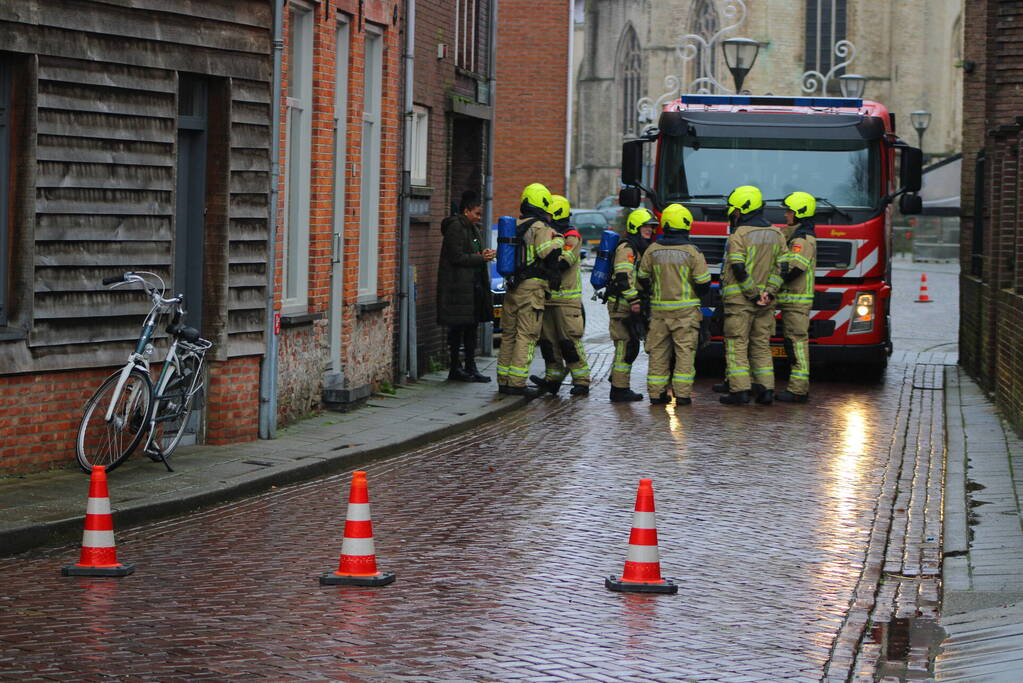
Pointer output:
x,y
632,587
119,570
381,579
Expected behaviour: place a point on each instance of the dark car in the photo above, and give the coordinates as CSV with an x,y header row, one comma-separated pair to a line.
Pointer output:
x,y
610,208
590,224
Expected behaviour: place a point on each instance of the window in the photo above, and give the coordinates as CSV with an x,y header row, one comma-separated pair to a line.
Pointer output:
x,y
299,121
630,65
979,201
825,26
369,203
705,24
5,166
420,136
466,23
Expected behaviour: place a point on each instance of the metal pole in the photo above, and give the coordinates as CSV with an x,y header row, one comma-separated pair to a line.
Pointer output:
x,y
406,315
487,338
268,369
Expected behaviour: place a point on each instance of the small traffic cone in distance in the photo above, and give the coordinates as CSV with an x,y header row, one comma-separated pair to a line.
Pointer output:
x,y
99,554
923,298
358,564
643,564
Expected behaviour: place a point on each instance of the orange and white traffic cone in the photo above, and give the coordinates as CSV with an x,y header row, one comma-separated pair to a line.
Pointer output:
x,y
358,565
99,554
923,298
643,564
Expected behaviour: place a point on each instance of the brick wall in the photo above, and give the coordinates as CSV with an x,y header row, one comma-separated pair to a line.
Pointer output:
x,y
531,104
991,284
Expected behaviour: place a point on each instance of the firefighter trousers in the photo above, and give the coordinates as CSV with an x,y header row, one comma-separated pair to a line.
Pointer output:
x,y
626,349
561,343
521,320
748,330
672,338
796,325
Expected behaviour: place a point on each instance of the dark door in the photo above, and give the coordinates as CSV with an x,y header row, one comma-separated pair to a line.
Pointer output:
x,y
189,233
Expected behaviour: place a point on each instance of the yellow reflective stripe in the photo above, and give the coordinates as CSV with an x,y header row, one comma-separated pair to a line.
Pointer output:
x,y
674,304
700,279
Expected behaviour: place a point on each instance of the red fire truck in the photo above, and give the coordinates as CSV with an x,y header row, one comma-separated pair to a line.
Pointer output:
x,y
841,150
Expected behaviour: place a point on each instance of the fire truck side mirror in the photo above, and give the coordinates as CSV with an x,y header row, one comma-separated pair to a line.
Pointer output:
x,y
911,204
911,169
629,196
632,162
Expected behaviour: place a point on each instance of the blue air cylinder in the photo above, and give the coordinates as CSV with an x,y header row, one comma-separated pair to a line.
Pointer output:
x,y
506,246
604,262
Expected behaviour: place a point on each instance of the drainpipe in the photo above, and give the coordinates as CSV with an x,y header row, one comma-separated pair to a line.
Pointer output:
x,y
407,361
268,370
488,182
568,127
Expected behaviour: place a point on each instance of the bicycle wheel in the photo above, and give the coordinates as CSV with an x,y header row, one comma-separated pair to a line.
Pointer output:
x,y
174,405
109,443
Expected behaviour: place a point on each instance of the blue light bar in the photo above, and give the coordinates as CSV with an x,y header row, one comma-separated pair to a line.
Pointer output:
x,y
765,101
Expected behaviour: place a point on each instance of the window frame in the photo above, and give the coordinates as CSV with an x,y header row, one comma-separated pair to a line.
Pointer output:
x,y
370,186
630,68
467,19
298,161
419,161
6,103
834,16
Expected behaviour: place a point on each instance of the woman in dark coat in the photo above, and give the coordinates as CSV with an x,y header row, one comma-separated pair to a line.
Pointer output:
x,y
463,286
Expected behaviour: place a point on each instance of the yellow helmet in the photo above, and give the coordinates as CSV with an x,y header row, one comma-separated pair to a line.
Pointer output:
x,y
537,195
745,198
637,218
676,217
801,203
560,208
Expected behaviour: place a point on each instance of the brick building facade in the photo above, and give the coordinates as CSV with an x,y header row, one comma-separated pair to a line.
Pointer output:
x,y
991,279
337,202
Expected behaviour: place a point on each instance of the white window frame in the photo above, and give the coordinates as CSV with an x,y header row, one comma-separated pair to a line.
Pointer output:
x,y
418,165
369,202
466,21
299,100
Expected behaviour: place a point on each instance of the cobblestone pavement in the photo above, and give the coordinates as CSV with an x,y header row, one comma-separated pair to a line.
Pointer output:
x,y
805,539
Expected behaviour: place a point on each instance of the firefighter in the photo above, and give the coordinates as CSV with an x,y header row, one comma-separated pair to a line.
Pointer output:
x,y
625,320
675,274
561,337
750,278
795,298
537,252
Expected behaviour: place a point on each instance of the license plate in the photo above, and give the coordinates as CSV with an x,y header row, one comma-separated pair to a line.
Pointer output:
x,y
778,352
497,313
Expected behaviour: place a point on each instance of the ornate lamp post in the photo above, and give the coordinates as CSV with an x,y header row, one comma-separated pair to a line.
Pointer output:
x,y
812,80
740,55
920,119
852,85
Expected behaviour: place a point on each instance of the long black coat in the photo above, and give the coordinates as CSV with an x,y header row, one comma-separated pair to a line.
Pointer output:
x,y
463,279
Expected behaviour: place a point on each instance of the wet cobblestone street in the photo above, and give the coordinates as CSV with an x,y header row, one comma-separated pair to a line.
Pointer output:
x,y
795,532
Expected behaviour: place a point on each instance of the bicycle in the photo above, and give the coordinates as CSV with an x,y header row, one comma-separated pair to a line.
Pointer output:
x,y
129,405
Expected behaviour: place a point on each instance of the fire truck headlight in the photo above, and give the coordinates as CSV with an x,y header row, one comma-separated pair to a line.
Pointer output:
x,y
863,320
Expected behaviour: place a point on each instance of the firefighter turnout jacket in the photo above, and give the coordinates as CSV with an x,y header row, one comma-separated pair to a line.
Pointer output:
x,y
759,248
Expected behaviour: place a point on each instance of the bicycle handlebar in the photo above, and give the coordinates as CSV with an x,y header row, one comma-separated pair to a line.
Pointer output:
x,y
155,293
115,278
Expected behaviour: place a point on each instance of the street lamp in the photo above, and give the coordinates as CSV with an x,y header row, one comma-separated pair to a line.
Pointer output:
x,y
740,54
852,85
920,120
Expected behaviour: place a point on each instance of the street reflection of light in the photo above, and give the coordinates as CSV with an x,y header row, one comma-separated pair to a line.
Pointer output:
x,y
674,424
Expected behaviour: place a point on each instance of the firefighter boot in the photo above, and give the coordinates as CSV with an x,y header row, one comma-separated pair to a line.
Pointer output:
x,y
528,392
683,401
766,397
661,400
624,394
580,390
787,396
720,388
545,385
736,398
757,389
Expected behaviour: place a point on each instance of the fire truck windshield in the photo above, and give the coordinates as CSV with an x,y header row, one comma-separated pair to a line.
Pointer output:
x,y
847,172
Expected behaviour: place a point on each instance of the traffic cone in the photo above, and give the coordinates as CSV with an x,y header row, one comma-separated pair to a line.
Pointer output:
x,y
643,564
99,555
358,565
923,298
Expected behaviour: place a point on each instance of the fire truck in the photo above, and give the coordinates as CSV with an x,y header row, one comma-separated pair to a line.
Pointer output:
x,y
841,150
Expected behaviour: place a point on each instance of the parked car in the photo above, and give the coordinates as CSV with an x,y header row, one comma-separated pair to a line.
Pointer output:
x,y
610,208
590,224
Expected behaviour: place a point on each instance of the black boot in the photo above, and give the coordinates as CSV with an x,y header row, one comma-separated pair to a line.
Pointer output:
x,y
736,398
528,392
474,372
683,401
721,387
580,390
545,385
456,373
624,394
787,396
757,389
766,397
661,400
